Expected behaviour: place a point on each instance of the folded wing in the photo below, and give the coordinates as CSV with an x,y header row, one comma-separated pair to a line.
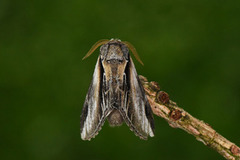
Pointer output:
x,y
138,111
94,112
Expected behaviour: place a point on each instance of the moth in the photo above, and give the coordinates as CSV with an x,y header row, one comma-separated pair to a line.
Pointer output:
x,y
116,93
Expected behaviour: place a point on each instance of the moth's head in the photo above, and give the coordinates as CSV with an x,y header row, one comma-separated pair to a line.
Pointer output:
x,y
114,49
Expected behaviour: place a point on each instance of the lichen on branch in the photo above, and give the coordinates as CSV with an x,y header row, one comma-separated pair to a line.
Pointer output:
x,y
177,117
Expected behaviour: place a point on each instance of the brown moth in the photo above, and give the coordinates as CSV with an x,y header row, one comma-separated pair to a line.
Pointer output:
x,y
116,93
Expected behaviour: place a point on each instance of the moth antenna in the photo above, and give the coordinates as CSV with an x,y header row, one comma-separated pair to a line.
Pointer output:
x,y
134,51
95,46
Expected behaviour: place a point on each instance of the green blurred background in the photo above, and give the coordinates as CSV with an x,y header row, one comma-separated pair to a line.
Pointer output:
x,y
192,48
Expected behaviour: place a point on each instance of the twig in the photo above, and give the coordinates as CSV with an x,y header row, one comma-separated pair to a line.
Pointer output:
x,y
163,107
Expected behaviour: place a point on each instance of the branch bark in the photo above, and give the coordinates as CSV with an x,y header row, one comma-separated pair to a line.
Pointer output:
x,y
177,117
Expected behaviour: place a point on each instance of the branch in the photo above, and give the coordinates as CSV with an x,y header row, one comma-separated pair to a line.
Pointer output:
x,y
178,118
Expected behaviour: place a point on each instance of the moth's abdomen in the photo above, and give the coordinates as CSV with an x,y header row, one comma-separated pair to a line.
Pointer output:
x,y
115,118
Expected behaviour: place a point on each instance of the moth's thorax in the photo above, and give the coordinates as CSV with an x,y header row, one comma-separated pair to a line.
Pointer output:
x,y
114,52
114,56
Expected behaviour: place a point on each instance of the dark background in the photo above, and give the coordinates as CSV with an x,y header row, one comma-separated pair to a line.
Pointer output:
x,y
190,47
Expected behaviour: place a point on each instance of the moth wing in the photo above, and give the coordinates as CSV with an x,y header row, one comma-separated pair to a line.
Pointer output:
x,y
138,111
93,112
